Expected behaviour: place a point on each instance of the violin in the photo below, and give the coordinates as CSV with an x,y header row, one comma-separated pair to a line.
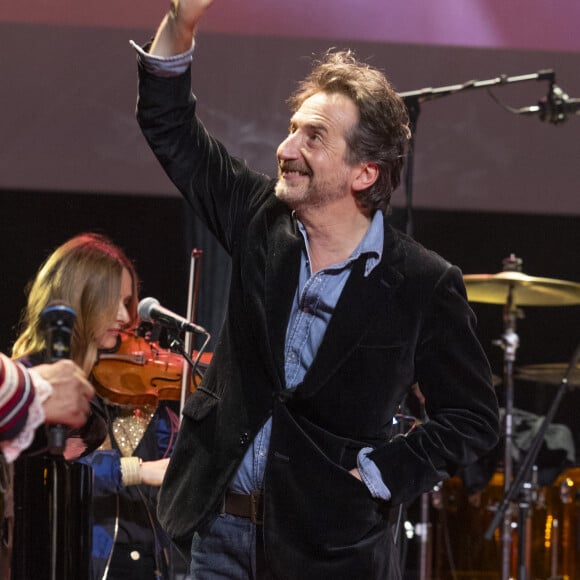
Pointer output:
x,y
140,372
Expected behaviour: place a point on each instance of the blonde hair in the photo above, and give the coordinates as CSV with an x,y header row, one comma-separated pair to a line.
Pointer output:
x,y
84,273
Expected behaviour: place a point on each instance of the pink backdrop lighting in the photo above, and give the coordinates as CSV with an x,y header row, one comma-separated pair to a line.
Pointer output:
x,y
524,24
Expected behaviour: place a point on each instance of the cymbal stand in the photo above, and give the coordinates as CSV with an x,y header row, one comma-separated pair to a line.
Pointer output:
x,y
528,495
425,537
509,343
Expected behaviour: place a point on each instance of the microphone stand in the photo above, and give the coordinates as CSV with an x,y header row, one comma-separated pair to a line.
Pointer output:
x,y
413,100
528,462
52,498
58,320
413,108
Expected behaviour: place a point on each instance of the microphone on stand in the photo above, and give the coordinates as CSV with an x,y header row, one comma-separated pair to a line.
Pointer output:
x,y
58,321
554,108
150,310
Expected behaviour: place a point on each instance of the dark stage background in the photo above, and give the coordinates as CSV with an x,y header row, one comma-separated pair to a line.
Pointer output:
x,y
159,233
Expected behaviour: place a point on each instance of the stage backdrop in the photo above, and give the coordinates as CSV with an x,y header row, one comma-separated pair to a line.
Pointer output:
x,y
68,91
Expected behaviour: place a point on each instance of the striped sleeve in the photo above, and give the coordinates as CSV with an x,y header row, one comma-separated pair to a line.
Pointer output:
x,y
16,396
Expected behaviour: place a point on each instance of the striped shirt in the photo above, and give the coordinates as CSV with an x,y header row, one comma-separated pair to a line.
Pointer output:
x,y
16,396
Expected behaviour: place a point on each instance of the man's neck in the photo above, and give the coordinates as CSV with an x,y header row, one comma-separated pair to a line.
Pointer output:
x,y
333,234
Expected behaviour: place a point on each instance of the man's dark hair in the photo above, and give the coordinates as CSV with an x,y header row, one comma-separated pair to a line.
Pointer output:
x,y
382,133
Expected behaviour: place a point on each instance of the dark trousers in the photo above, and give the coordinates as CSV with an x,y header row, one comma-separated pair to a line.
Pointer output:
x,y
231,549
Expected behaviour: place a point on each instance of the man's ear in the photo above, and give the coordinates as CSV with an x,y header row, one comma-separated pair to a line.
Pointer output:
x,y
368,173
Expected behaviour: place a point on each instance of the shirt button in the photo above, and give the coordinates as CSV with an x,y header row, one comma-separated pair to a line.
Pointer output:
x,y
134,555
244,438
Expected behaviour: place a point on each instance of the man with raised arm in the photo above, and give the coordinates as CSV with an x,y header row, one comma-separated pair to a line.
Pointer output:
x,y
286,465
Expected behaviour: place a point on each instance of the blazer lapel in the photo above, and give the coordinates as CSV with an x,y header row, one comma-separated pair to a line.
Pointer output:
x,y
355,309
282,269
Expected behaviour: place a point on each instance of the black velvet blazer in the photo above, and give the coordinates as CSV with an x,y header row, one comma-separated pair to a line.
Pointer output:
x,y
409,321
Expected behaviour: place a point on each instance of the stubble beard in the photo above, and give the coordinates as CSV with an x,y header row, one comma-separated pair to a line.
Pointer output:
x,y
313,194
291,195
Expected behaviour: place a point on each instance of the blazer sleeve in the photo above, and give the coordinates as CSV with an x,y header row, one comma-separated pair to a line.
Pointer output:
x,y
222,190
455,378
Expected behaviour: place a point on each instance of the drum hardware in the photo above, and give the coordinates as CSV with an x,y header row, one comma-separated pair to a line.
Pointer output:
x,y
525,290
504,288
528,496
512,288
461,515
549,374
527,463
423,530
404,422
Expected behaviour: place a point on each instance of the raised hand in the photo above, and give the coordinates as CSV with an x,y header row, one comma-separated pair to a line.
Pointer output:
x,y
176,31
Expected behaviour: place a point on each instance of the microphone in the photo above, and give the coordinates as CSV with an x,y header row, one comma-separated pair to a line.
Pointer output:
x,y
554,108
57,320
150,310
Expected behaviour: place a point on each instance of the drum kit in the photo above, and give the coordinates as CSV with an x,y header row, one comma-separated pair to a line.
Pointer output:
x,y
514,529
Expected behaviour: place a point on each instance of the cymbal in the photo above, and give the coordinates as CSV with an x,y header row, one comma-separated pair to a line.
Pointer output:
x,y
526,290
550,374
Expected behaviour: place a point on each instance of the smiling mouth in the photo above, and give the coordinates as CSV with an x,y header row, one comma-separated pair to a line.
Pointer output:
x,y
289,172
289,175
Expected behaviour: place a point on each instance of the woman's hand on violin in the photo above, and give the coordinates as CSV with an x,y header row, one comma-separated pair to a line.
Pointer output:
x,y
152,472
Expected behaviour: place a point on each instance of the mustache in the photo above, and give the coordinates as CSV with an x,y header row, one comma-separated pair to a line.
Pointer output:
x,y
297,166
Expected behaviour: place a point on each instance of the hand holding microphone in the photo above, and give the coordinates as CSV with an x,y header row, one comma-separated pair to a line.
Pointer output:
x,y
69,403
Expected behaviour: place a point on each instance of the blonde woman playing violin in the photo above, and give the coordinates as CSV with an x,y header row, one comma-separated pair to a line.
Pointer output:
x,y
99,282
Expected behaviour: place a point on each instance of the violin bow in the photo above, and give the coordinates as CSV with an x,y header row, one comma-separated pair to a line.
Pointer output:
x,y
192,299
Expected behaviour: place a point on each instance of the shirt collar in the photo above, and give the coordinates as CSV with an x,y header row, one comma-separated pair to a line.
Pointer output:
x,y
371,245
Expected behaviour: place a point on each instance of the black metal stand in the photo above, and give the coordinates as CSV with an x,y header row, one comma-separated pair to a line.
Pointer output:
x,y
413,100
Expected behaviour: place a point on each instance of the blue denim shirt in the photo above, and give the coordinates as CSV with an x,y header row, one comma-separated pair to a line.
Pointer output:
x,y
312,308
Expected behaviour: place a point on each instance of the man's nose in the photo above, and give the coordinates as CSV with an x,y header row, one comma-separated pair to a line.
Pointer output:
x,y
289,148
